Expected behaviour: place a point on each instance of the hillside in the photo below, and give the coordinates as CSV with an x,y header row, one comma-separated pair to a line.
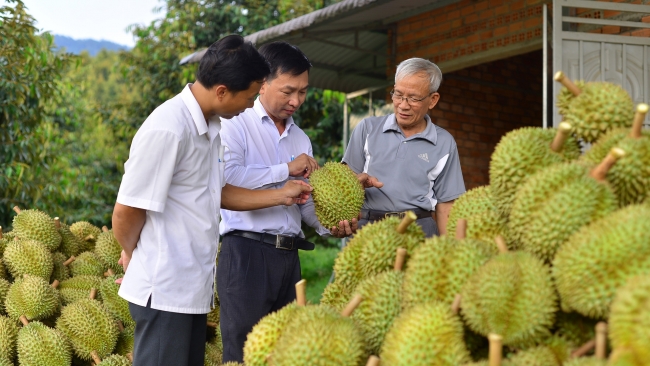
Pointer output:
x,y
92,46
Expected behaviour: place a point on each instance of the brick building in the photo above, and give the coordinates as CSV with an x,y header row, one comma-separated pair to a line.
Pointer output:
x,y
492,54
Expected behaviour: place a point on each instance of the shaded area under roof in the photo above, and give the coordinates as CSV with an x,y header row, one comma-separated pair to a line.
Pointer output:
x,y
347,42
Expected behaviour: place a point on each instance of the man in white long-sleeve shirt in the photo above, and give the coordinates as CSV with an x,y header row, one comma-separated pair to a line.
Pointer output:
x,y
258,264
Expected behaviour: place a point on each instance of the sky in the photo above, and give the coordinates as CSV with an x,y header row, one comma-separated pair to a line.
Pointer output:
x,y
94,19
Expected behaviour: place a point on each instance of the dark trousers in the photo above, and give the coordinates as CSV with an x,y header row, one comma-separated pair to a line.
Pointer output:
x,y
166,338
428,225
253,280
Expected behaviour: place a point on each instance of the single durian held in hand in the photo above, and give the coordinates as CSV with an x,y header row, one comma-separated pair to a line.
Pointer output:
x,y
338,194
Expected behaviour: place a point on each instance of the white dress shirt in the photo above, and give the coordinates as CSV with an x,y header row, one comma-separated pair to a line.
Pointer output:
x,y
256,157
173,172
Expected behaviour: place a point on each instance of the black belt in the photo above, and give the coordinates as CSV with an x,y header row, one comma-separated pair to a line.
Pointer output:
x,y
279,241
372,215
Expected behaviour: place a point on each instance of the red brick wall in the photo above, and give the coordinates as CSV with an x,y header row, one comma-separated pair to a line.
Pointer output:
x,y
478,105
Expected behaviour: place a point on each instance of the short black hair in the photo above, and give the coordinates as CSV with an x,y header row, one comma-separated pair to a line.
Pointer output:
x,y
232,62
284,58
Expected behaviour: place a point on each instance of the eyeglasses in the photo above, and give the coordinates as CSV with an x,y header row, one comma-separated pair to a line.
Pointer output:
x,y
409,100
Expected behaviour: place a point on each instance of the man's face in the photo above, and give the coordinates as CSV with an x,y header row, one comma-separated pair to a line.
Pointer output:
x,y
282,96
236,102
407,112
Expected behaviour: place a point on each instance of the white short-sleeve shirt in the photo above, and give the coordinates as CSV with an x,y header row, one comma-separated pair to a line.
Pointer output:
x,y
174,172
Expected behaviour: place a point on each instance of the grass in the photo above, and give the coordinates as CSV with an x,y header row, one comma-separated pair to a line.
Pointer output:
x,y
317,266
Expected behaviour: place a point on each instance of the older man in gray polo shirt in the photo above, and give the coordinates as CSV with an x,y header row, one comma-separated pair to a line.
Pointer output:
x,y
416,160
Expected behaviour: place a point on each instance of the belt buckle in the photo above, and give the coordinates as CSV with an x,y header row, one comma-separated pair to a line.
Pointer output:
x,y
278,242
395,213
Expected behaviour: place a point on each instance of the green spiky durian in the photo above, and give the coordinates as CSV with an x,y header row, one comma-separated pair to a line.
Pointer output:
x,y
555,203
335,296
575,328
213,355
337,193
262,339
108,250
585,361
8,337
87,263
232,363
3,271
565,97
440,267
87,233
28,257
625,357
319,336
629,320
214,314
41,345
77,288
346,269
381,305
115,360
60,271
39,226
483,221
70,244
5,362
511,295
599,108
125,340
4,289
32,297
600,257
380,243
536,356
426,334
90,327
520,154
116,305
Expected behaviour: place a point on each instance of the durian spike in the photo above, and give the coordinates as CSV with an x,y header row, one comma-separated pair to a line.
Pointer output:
x,y
600,171
637,125
496,349
455,306
93,293
17,209
23,319
109,272
461,229
349,308
301,292
373,361
559,76
55,284
400,259
409,217
588,346
212,324
95,357
601,340
57,222
105,228
89,237
501,244
130,356
563,132
120,325
69,260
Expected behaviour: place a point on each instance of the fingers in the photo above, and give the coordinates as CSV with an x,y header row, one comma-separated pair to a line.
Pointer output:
x,y
119,281
344,229
369,181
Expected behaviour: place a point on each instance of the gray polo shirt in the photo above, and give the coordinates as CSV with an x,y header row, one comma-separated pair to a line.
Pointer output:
x,y
417,172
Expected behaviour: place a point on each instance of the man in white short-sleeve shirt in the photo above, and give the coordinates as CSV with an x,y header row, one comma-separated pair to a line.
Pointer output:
x,y
167,211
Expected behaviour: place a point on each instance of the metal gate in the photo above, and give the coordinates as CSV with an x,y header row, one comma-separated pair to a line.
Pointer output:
x,y
585,55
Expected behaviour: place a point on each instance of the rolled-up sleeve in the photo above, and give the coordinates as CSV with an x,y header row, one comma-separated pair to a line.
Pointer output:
x,y
149,170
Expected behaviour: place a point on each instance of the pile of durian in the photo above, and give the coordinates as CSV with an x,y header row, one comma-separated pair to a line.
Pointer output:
x,y
548,265
58,297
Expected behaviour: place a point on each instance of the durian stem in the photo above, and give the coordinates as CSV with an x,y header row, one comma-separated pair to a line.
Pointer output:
x,y
93,293
639,116
601,340
55,284
109,272
563,132
301,292
349,308
89,237
69,260
130,356
373,361
212,324
600,171
57,222
400,259
559,76
455,306
23,319
0,232
105,228
461,229
17,209
409,217
501,244
95,357
496,349
584,348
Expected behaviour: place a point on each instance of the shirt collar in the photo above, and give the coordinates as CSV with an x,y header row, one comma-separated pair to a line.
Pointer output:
x,y
261,113
428,134
195,110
